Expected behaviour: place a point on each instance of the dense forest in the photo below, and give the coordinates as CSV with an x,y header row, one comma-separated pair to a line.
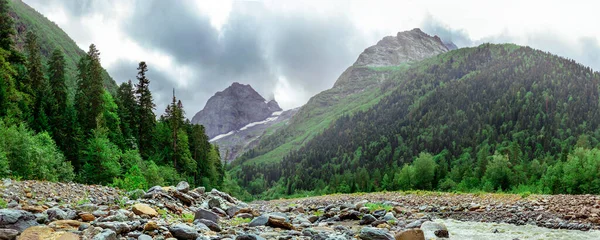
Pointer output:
x,y
491,118
92,136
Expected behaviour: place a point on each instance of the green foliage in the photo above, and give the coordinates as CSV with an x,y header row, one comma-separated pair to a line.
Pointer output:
x,y
145,115
133,179
101,159
498,172
189,217
31,156
378,206
239,221
3,202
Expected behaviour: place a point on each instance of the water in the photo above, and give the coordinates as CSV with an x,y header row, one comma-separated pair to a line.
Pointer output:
x,y
478,230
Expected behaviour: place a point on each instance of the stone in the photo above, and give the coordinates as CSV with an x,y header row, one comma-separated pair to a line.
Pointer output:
x,y
155,189
182,231
371,233
200,190
350,215
183,187
399,210
150,226
210,224
186,199
205,214
214,203
65,225
33,209
144,209
430,229
410,234
144,237
87,217
249,237
56,214
16,219
8,234
68,236
279,223
390,217
117,227
231,211
367,219
106,234
259,221
415,224
245,215
37,233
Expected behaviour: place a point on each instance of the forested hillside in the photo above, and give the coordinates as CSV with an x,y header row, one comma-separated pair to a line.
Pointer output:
x,y
493,118
97,136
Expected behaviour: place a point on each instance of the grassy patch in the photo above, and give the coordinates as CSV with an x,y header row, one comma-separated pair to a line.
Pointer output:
x,y
187,217
239,221
3,203
378,206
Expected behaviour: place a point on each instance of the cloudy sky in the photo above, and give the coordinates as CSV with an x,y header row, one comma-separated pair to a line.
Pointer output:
x,y
291,50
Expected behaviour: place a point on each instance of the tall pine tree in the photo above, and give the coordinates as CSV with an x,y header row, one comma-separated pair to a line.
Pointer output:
x,y
39,84
89,99
145,115
127,112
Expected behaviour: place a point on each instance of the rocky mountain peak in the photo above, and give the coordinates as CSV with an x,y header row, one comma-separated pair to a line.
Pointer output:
x,y
407,46
233,108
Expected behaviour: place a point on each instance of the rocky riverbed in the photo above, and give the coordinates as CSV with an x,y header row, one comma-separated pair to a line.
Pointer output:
x,y
44,210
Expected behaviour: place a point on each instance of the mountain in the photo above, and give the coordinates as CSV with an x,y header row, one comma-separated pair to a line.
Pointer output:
x,y
50,37
234,108
492,117
360,86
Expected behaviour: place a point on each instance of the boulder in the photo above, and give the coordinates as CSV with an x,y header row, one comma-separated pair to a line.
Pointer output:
x,y
182,231
8,234
56,214
279,222
231,211
371,233
87,217
186,199
106,234
210,224
117,227
144,237
65,225
259,221
150,226
183,187
205,214
367,219
144,209
249,237
410,234
434,230
214,203
16,219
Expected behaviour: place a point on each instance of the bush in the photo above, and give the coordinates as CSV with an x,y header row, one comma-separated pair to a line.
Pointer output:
x,y
133,179
24,154
101,159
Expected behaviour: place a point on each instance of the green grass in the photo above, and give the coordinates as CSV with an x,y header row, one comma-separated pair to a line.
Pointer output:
x,y
239,221
378,206
319,213
187,217
3,203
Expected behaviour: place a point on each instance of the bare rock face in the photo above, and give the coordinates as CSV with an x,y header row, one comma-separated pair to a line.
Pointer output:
x,y
233,108
405,47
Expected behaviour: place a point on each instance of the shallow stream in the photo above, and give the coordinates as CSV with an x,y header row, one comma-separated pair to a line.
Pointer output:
x,y
479,230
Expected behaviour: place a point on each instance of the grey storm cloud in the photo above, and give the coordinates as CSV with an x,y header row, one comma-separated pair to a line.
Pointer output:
x,y
255,46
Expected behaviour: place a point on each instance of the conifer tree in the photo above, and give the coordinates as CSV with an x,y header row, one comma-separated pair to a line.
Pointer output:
x,y
39,84
6,27
145,115
89,99
57,97
127,110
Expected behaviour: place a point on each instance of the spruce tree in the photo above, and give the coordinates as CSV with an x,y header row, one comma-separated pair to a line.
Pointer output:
x,y
89,99
39,84
145,116
57,97
127,111
6,27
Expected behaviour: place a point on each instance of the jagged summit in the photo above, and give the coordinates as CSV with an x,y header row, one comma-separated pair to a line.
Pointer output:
x,y
233,108
405,47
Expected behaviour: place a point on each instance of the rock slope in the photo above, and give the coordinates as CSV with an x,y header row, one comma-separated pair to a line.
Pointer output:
x,y
42,210
233,108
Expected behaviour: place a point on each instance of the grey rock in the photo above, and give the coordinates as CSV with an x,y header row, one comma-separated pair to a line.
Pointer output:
x,y
155,189
367,219
210,224
183,187
106,234
370,233
214,203
16,219
232,210
144,237
201,226
249,237
390,217
434,230
245,215
56,214
379,213
182,231
259,221
205,214
117,227
8,234
415,224
119,217
88,207
200,190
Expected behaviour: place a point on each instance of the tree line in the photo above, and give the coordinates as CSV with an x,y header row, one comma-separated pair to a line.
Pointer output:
x,y
94,136
491,118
